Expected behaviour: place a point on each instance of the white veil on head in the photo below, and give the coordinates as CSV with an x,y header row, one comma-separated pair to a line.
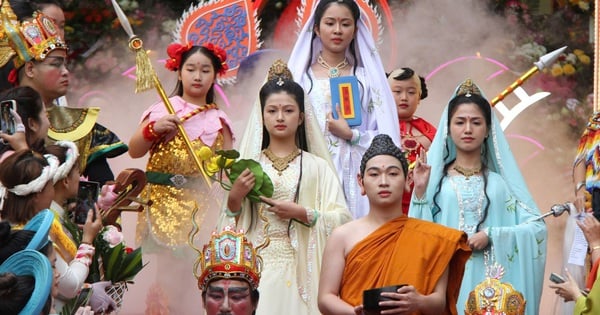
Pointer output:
x,y
499,157
363,42
250,146
367,57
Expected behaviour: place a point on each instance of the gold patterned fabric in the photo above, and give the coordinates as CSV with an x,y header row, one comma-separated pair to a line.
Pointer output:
x,y
169,219
79,125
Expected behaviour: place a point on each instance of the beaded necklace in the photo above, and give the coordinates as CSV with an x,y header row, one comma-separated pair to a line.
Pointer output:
x,y
333,72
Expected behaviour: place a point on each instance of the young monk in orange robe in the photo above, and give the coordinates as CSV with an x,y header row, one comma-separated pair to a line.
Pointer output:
x,y
387,248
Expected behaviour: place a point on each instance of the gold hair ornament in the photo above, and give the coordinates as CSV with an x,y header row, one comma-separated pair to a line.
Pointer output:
x,y
468,88
279,69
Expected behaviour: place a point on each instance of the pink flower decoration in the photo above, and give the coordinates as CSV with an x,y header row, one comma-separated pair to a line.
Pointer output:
x,y
107,197
112,236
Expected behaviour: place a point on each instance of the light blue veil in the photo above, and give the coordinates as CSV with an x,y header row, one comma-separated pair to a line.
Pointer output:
x,y
497,156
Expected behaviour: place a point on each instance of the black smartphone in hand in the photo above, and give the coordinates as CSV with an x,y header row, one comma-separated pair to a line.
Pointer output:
x,y
7,121
556,278
83,299
87,195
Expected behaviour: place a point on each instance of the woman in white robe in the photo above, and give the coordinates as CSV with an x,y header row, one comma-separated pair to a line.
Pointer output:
x,y
307,203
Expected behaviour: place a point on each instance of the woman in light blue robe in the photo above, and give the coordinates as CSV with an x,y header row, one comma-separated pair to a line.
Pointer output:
x,y
490,202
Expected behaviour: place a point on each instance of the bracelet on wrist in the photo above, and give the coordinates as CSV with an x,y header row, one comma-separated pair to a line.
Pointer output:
x,y
592,249
311,216
355,137
418,201
149,134
230,213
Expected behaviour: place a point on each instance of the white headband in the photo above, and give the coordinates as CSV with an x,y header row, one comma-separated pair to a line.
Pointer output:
x,y
71,155
38,184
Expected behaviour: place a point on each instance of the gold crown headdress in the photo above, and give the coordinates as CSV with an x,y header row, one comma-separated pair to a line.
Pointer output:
x,y
28,40
279,70
229,255
468,88
494,297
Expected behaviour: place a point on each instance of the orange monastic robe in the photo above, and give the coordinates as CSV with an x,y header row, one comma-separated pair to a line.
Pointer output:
x,y
406,251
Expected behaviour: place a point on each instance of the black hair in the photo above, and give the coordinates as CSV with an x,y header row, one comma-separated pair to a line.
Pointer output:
x,y
41,4
292,88
12,241
486,110
382,144
21,167
29,106
318,14
15,292
23,8
217,66
407,74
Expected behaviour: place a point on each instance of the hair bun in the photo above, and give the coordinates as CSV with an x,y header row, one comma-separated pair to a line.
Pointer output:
x,y
279,69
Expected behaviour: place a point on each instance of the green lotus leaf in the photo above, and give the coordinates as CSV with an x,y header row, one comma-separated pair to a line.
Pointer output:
x,y
229,154
267,187
263,186
238,167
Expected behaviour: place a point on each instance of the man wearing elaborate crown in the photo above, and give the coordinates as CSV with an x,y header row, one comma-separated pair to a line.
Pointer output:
x,y
494,297
39,54
378,250
230,274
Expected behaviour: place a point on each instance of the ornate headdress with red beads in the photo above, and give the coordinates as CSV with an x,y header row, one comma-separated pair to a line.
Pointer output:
x,y
28,40
176,50
203,24
229,255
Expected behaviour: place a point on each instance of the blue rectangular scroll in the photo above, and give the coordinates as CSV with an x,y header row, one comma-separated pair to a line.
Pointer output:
x,y
345,93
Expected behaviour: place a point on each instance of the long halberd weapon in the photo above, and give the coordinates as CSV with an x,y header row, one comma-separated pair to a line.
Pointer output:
x,y
544,62
146,79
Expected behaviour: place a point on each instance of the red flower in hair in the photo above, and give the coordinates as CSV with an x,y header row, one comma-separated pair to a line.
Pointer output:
x,y
175,51
220,54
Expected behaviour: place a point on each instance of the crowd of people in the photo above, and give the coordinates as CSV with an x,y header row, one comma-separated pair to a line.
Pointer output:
x,y
390,215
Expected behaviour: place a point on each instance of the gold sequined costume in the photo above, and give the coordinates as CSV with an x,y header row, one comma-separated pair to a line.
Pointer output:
x,y
169,217
175,184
